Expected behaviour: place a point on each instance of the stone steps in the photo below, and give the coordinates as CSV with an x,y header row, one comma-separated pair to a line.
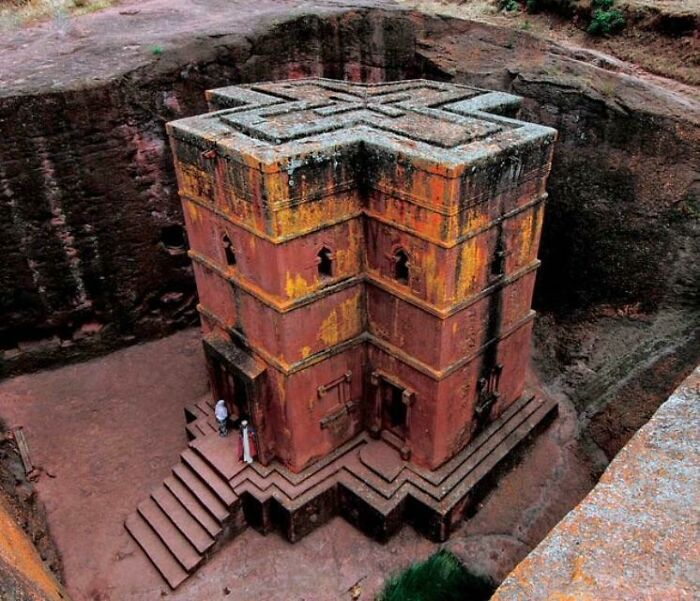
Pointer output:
x,y
167,532
200,419
193,506
199,428
183,519
202,408
210,477
437,496
164,561
223,461
201,491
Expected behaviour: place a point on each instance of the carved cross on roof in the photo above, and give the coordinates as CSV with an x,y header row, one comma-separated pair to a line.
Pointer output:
x,y
448,124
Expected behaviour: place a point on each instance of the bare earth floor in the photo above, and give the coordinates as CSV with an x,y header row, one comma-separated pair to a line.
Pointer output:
x,y
108,431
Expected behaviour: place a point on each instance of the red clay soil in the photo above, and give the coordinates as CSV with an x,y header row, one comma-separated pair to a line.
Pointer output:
x,y
110,429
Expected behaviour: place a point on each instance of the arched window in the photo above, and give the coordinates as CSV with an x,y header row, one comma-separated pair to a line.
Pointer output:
x,y
228,251
401,266
325,262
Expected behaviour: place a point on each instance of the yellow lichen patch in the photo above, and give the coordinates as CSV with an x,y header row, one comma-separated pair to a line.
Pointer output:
x,y
277,187
532,226
348,259
193,212
579,574
300,218
476,219
194,182
295,285
17,552
305,351
311,215
342,322
434,276
473,262
433,190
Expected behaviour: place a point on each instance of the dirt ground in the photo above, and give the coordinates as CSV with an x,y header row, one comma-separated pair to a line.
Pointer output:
x,y
110,429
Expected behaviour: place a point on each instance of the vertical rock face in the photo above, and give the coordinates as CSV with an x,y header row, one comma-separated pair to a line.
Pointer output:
x,y
340,230
92,242
91,232
625,183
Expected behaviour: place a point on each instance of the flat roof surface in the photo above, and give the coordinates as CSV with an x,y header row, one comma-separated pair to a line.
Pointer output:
x,y
448,125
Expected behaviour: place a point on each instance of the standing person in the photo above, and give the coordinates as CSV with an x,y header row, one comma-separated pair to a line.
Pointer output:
x,y
221,413
246,438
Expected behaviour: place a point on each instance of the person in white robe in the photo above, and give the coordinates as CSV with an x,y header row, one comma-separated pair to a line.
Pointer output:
x,y
221,414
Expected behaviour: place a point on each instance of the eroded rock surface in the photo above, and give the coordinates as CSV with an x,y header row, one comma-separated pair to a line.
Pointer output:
x,y
635,535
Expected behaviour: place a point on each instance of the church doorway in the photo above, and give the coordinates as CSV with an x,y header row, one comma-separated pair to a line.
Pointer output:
x,y
230,386
394,409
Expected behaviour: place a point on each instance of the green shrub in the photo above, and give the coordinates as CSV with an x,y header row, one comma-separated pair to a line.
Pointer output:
x,y
605,22
441,577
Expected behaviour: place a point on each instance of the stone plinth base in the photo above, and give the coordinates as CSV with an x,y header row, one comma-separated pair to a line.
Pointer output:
x,y
368,484
211,495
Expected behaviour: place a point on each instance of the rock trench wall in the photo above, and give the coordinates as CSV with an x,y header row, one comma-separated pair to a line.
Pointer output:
x,y
91,234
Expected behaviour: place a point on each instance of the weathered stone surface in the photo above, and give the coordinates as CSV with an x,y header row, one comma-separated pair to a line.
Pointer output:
x,y
635,536
360,252
23,575
441,175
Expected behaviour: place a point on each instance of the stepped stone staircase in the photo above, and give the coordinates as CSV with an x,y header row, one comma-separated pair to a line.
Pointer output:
x,y
211,495
185,519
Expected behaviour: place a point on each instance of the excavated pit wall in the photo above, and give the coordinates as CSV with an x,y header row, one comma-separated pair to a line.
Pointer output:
x,y
91,228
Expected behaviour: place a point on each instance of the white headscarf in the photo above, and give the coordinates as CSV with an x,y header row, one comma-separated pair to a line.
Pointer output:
x,y
220,411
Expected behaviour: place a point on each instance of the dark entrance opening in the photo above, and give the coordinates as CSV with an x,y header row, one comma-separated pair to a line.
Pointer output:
x,y
325,263
393,409
401,267
231,387
228,251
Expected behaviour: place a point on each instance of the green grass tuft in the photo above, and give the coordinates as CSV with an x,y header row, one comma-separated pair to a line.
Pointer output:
x,y
441,577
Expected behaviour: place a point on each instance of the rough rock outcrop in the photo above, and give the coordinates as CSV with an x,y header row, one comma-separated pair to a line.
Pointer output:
x,y
23,575
635,535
